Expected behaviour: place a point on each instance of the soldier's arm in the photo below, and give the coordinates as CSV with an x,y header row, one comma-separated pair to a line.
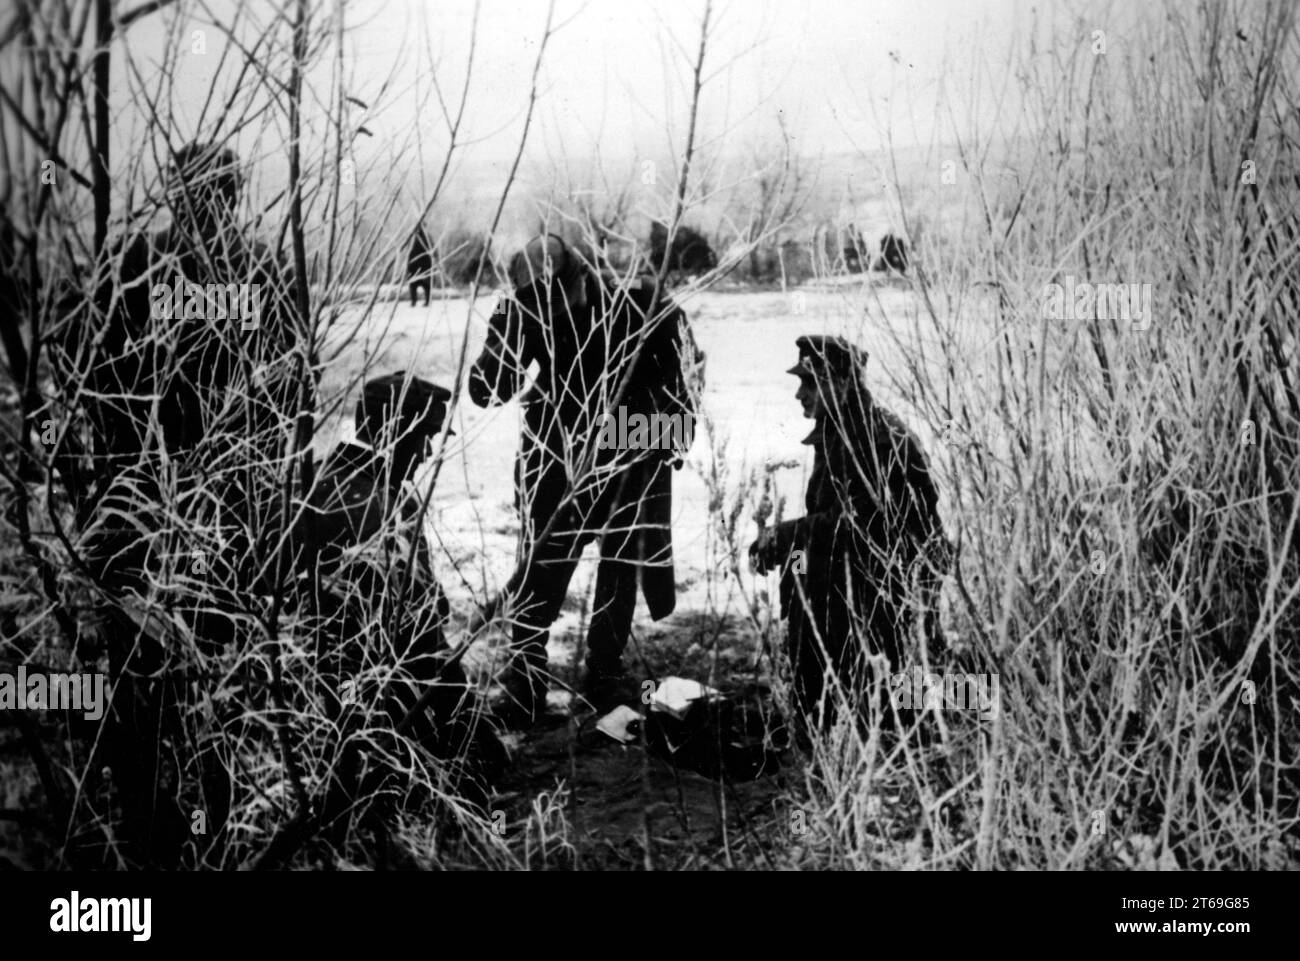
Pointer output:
x,y
677,364
267,344
815,532
108,351
923,518
339,513
497,374
908,507
279,329
919,498
776,546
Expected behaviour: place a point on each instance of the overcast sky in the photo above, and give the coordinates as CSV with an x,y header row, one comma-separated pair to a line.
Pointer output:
x,y
837,71
839,75
615,72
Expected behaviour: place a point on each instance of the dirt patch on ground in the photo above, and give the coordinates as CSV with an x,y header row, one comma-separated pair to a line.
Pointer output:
x,y
630,807
627,808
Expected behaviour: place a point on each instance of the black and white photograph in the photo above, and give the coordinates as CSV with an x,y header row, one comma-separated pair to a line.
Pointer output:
x,y
650,436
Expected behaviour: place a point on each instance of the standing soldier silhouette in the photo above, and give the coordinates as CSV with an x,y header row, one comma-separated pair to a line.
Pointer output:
x,y
606,350
870,550
190,314
188,365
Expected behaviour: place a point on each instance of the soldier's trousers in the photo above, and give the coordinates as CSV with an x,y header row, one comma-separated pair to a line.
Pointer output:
x,y
539,589
541,592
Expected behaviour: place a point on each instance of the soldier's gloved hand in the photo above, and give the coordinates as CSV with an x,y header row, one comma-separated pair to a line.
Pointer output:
x,y
762,553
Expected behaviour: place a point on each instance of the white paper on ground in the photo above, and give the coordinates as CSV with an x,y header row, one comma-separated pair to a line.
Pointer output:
x,y
674,695
615,724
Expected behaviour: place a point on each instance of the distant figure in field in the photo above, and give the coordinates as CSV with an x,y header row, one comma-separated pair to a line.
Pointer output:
x,y
690,254
867,557
419,265
893,254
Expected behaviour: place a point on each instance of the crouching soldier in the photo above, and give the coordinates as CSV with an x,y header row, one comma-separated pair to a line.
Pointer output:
x,y
867,556
364,564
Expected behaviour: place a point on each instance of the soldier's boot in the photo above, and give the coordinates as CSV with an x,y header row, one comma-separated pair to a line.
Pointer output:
x,y
607,685
522,701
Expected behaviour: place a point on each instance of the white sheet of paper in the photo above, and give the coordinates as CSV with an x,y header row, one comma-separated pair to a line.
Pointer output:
x,y
675,694
615,724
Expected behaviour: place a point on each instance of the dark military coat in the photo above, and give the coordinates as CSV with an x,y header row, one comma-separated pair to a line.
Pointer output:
x,y
871,527
583,354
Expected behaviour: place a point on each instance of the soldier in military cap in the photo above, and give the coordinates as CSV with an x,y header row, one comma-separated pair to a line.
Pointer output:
x,y
601,342
872,529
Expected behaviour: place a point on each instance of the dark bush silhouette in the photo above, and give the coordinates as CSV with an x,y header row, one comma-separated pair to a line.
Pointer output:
x,y
691,253
460,260
893,254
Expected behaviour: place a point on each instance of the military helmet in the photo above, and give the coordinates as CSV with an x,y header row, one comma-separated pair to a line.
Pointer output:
x,y
544,260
